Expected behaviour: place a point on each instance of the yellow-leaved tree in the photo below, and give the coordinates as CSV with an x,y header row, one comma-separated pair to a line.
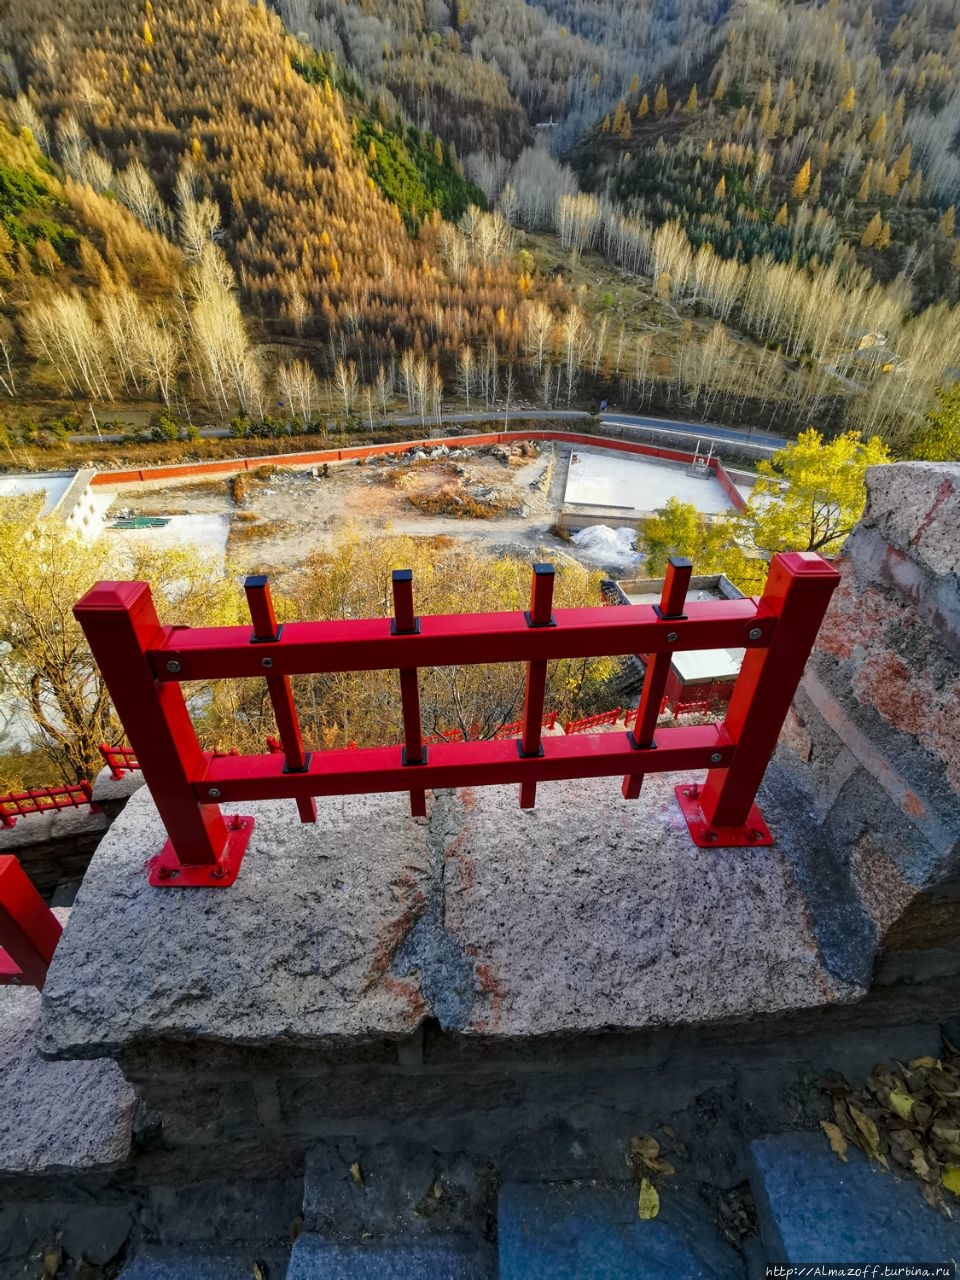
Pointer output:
x,y
48,679
353,580
808,498
811,494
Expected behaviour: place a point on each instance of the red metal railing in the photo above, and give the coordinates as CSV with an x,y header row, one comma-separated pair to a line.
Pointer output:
x,y
144,665
119,759
595,722
29,931
72,795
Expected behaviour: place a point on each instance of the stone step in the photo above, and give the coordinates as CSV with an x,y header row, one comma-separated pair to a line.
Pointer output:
x,y
199,1262
437,1258
582,1231
813,1208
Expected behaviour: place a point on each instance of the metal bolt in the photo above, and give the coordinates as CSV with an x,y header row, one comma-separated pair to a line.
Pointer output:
x,y
267,662
236,824
167,873
754,834
173,666
214,793
217,873
709,835
672,637
754,633
716,758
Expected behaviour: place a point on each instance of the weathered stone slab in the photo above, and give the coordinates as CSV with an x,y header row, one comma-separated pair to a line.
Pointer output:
x,y
587,913
570,1231
56,1116
815,1209
440,1259
591,912
298,949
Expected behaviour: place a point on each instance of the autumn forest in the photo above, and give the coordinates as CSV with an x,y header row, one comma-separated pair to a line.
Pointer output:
x,y
325,212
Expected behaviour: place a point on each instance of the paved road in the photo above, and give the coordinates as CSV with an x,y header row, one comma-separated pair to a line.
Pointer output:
x,y
669,426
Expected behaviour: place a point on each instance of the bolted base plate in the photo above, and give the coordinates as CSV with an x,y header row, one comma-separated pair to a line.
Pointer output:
x,y
168,872
10,972
754,831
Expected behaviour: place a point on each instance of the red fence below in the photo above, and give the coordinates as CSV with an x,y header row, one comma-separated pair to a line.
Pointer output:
x,y
120,759
71,795
232,466
144,665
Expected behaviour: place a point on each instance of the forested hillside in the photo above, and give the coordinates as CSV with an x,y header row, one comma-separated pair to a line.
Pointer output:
x,y
224,136
485,73
274,215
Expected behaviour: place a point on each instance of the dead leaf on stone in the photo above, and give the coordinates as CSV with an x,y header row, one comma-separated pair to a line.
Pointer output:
x,y
950,1178
644,1146
920,1166
868,1132
356,1173
901,1102
844,1123
259,1271
914,1063
649,1203
52,1259
838,1143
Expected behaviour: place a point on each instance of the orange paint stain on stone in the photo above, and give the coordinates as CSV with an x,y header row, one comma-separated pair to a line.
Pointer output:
x,y
406,990
489,985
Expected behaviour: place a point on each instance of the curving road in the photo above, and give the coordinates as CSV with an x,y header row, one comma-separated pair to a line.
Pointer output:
x,y
626,421
706,431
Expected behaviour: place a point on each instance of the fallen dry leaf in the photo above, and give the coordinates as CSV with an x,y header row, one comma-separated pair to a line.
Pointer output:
x,y
838,1143
649,1204
356,1174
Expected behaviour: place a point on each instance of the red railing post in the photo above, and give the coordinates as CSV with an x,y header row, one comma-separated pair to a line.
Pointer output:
x,y
29,931
675,584
266,631
540,614
406,623
120,623
723,811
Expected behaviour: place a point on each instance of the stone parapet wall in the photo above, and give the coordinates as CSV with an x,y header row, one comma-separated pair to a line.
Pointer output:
x,y
876,723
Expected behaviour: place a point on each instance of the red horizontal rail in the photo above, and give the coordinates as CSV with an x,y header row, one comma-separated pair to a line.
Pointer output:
x,y
144,665
461,764
221,653
72,795
29,931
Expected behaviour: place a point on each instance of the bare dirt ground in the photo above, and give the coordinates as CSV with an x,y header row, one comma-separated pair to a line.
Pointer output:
x,y
282,515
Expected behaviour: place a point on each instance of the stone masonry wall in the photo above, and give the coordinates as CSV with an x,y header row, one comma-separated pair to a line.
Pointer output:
x,y
876,723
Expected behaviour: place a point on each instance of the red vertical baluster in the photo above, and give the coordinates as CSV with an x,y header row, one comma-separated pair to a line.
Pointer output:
x,y
540,614
29,931
406,623
797,592
265,631
675,585
121,624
